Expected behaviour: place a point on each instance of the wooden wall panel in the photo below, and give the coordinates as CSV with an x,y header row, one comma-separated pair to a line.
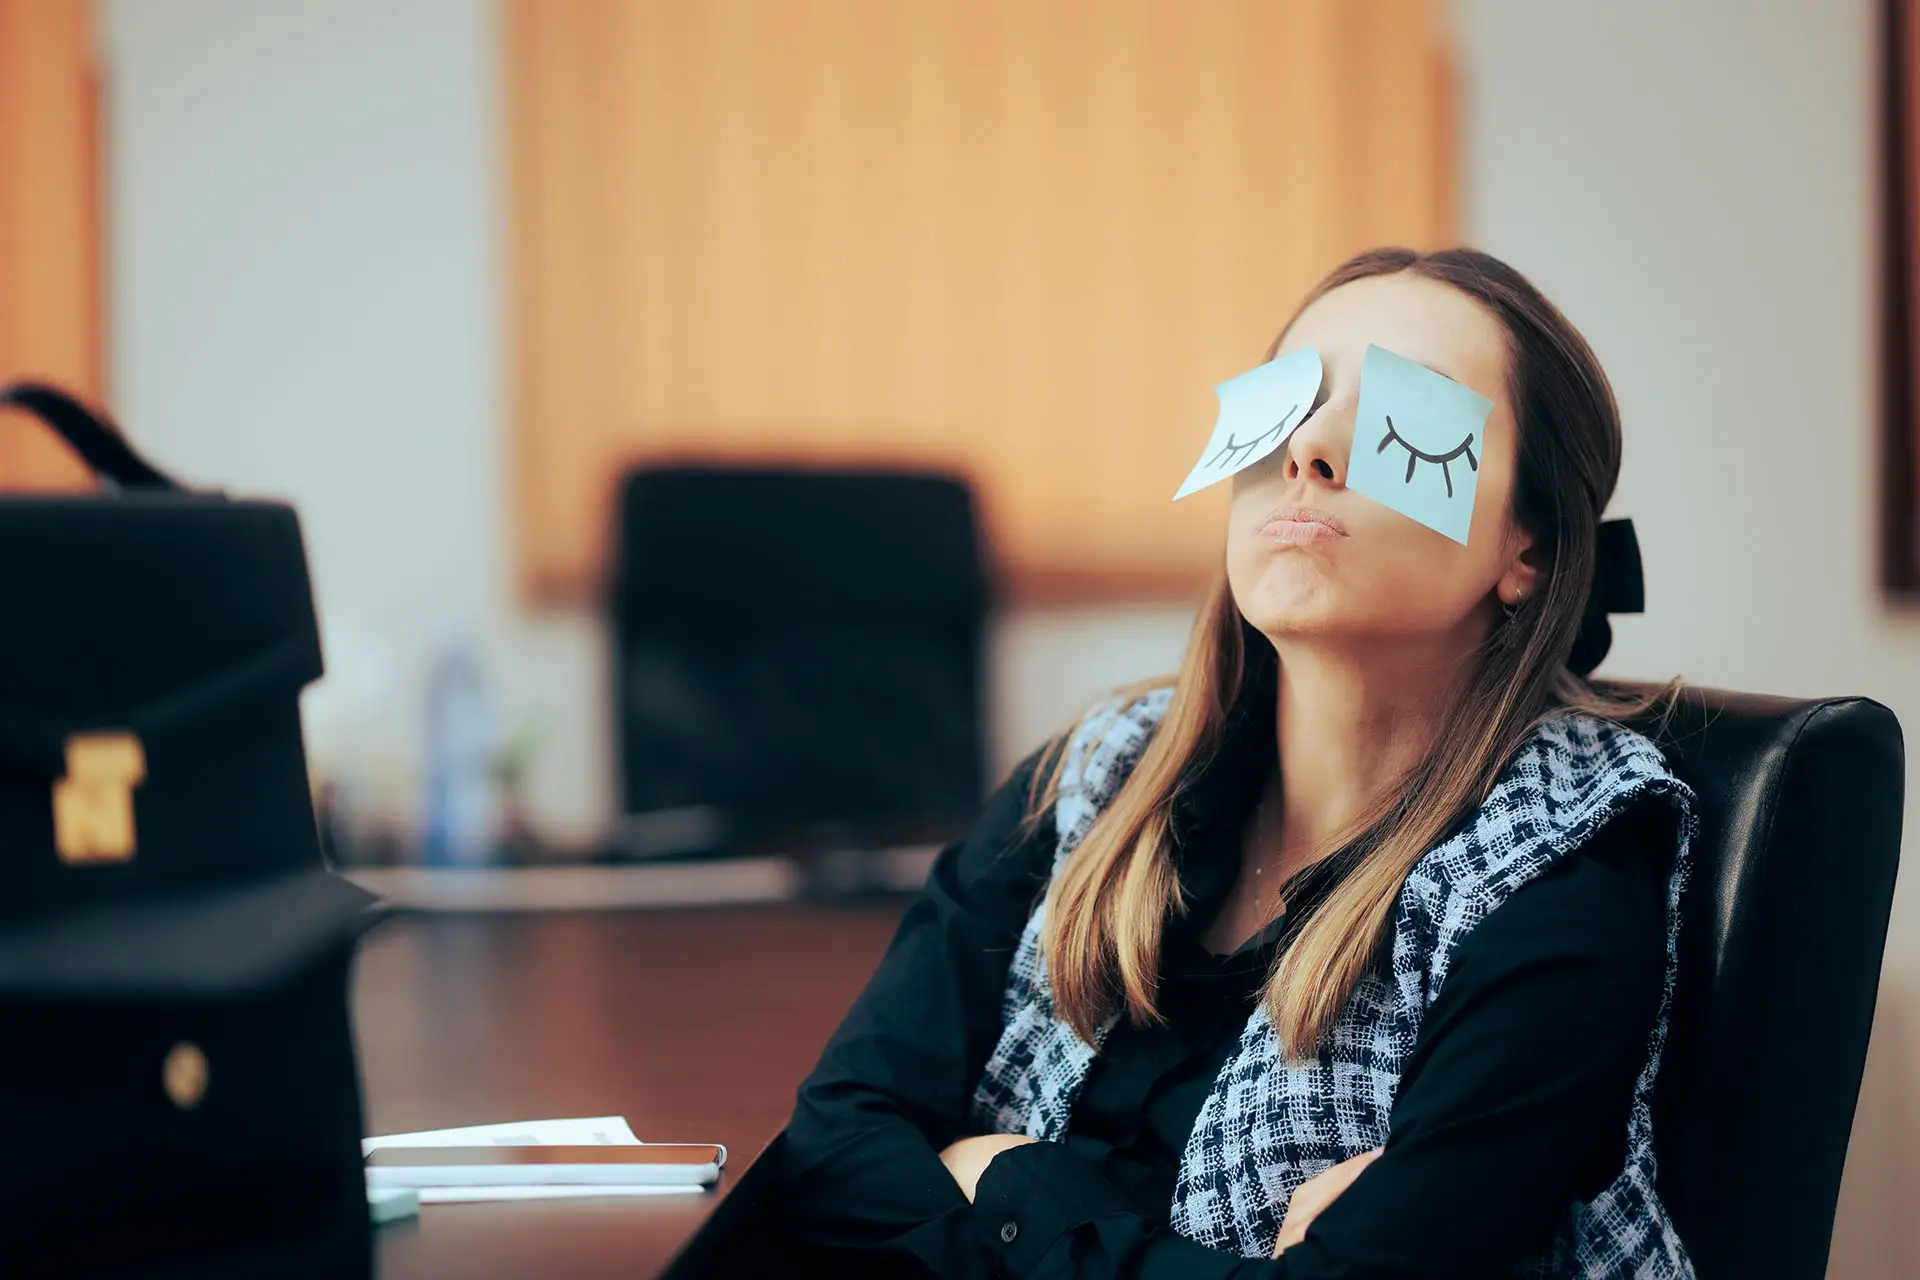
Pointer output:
x,y
1021,238
49,226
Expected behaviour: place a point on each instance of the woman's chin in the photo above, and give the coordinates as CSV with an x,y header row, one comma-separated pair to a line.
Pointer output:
x,y
1287,605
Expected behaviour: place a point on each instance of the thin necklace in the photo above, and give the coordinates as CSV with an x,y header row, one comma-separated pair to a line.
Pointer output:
x,y
1278,893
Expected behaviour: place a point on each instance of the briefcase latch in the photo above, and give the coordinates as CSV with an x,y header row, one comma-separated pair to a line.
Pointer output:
x,y
93,804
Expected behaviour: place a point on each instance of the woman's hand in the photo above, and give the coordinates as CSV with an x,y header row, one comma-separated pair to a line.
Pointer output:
x,y
968,1158
1315,1194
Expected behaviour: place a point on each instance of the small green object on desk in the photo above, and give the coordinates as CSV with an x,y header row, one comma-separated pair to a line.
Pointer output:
x,y
391,1204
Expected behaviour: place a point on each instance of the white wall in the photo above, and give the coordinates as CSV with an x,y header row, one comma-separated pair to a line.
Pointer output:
x,y
1694,184
306,301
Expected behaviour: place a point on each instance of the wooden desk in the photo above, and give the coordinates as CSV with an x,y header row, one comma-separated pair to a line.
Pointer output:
x,y
696,1025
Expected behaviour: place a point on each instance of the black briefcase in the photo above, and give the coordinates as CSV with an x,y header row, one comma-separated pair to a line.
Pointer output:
x,y
179,1092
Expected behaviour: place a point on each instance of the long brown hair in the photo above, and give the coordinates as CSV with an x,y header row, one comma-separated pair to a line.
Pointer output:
x,y
1109,905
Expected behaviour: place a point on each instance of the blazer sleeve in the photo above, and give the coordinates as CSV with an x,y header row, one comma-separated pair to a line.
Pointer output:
x,y
861,1173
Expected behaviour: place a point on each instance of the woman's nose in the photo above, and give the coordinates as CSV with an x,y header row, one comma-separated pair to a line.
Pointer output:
x,y
1323,444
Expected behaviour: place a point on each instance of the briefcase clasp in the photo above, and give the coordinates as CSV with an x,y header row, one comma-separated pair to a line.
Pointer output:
x,y
93,804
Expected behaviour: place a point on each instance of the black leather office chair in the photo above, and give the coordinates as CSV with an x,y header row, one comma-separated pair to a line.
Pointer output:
x,y
797,654
1783,929
1785,921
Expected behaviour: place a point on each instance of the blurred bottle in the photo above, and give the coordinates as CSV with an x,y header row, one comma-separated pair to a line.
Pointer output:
x,y
458,812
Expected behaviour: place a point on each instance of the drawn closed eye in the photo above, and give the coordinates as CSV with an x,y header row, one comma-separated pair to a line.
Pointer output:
x,y
1417,456
1233,450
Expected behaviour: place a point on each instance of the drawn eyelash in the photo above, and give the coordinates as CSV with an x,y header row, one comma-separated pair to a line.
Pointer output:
x,y
1415,456
1234,450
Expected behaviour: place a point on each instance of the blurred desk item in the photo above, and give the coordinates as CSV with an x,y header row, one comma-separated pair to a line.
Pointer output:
x,y
602,887
797,658
696,1025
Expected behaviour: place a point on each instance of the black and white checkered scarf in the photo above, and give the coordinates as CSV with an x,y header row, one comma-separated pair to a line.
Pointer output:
x,y
1268,1125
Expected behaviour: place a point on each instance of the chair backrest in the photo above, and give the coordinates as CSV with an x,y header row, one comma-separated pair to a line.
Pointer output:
x,y
1783,928
799,651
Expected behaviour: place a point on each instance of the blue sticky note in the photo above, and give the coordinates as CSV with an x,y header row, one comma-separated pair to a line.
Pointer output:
x,y
1418,437
1258,411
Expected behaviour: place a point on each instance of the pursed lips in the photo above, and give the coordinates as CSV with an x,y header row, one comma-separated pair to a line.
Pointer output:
x,y
1294,526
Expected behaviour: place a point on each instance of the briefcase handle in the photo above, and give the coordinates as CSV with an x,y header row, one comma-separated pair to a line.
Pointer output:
x,y
93,436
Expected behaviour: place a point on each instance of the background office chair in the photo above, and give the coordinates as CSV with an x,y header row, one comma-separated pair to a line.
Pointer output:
x,y
1785,920
797,655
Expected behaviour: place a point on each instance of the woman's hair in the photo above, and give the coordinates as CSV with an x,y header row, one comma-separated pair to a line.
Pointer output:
x,y
1109,904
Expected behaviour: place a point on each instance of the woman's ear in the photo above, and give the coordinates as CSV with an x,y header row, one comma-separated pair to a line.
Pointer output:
x,y
1522,571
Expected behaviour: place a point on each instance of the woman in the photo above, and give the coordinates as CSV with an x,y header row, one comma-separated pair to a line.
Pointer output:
x,y
1348,953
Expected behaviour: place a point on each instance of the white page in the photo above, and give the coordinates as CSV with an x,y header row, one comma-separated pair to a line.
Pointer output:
x,y
594,1131
467,1195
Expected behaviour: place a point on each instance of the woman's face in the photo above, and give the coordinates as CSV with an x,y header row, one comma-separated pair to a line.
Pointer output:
x,y
1308,557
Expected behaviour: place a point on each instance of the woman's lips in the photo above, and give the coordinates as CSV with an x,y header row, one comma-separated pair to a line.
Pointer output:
x,y
1299,526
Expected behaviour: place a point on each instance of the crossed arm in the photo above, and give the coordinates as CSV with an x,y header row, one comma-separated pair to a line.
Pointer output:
x,y
968,1158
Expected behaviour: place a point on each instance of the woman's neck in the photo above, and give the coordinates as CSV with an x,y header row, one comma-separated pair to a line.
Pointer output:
x,y
1351,724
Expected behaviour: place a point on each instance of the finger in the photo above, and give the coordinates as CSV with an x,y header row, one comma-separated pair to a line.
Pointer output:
x,y
1315,1194
1355,1164
1342,1175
